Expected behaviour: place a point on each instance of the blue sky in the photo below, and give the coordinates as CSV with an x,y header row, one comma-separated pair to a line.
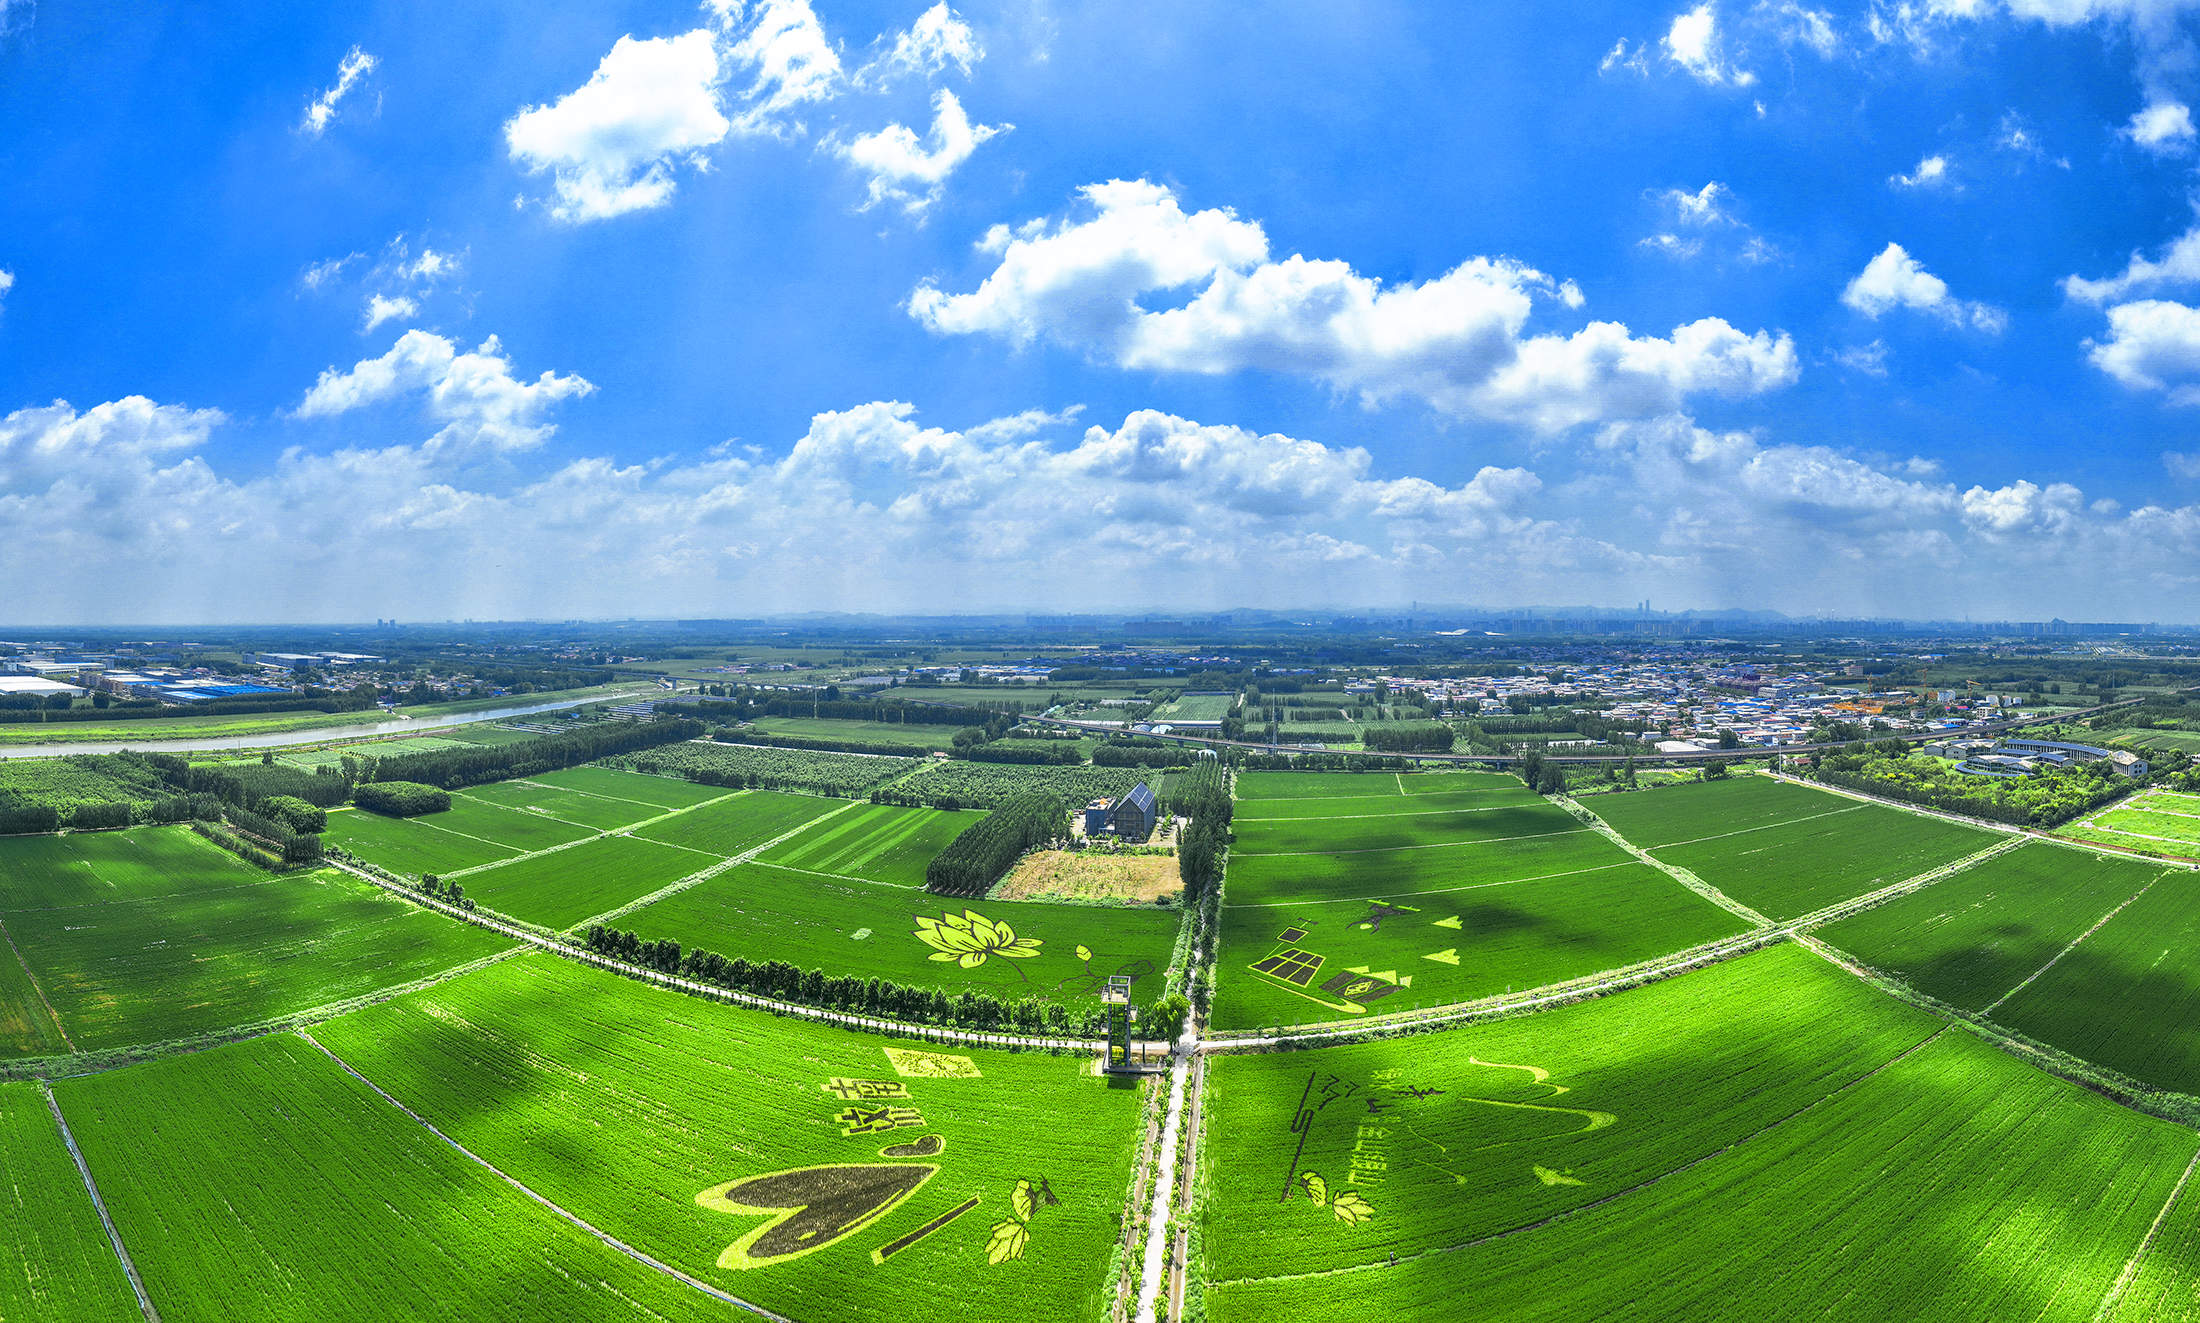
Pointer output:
x,y
328,313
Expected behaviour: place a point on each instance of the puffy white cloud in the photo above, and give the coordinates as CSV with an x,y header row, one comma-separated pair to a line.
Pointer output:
x,y
2179,264
904,169
1705,207
791,65
321,111
1931,172
936,40
610,146
2161,127
1455,341
7,282
2152,344
382,309
1894,279
481,405
1692,42
1797,25
2182,464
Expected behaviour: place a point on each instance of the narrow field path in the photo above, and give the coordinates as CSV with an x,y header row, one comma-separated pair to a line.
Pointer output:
x,y
1674,871
2130,1273
646,1260
698,878
627,830
99,1205
2073,945
52,1015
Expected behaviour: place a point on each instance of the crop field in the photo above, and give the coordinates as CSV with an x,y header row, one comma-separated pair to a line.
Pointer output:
x,y
1101,876
876,843
1972,937
153,934
1060,953
917,739
66,783
586,808
1785,850
745,820
661,792
668,1102
60,1267
2156,821
1197,707
261,1181
1365,898
845,774
2128,997
409,845
2178,741
562,888
1601,1159
989,785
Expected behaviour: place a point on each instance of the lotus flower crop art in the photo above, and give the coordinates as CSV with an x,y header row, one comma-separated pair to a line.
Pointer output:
x,y
968,938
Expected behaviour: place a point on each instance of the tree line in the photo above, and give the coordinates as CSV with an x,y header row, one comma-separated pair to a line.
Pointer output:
x,y
983,852
455,768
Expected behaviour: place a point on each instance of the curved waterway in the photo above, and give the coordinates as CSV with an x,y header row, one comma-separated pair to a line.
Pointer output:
x,y
283,739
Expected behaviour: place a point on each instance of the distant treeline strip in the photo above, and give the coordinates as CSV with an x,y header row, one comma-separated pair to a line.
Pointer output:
x,y
454,768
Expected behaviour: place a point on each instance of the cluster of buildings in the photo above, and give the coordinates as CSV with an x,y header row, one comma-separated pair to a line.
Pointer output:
x,y
2008,759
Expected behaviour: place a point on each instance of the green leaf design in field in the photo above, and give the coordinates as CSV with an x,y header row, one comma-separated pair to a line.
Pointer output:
x,y
1021,1201
817,1206
968,938
1351,1208
1317,1189
1007,1242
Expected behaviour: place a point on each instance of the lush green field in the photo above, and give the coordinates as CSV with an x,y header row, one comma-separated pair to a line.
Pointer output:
x,y
1196,707
2128,996
1752,1132
64,784
409,845
1450,820
2167,1285
631,1102
2180,741
877,843
152,934
1270,813
917,739
660,792
62,1268
762,912
988,785
844,774
1254,787
259,1181
1970,938
1461,866
563,888
598,812
1785,850
1440,948
2156,821
745,820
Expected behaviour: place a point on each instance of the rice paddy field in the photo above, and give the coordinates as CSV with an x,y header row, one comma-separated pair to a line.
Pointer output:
x,y
1766,1130
1357,893
873,842
957,1184
55,1263
1785,850
2163,822
154,934
1972,938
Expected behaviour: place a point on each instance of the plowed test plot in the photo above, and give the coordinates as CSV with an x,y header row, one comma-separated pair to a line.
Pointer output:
x,y
1056,953
747,819
2128,996
153,934
1767,1130
1970,938
1785,850
985,1185
876,842
564,887
259,1181
1388,901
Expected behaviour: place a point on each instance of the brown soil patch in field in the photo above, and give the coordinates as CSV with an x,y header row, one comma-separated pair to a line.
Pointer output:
x,y
1075,875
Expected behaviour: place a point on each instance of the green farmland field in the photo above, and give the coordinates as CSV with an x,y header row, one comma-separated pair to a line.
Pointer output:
x,y
60,1267
1259,787
534,795
2128,997
152,934
1970,938
631,1101
1449,819
744,820
1443,868
765,912
876,842
259,1181
1757,1131
1785,850
2155,821
410,845
565,887
916,739
660,792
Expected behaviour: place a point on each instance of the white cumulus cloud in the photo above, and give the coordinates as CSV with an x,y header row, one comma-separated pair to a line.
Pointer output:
x,y
1894,279
903,168
791,65
321,111
2179,264
610,146
2162,127
473,394
2152,344
382,309
1457,341
939,38
1931,172
1692,42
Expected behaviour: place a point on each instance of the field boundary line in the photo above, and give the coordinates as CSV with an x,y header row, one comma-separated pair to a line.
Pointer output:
x,y
639,1256
99,1205
1616,1195
627,830
467,836
1393,849
1762,826
2130,1273
844,877
702,875
566,790
1681,875
1855,905
2055,959
1440,891
51,1014
1409,813
1919,809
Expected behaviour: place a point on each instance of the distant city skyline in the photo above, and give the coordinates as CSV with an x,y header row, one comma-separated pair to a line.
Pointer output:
x,y
738,310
